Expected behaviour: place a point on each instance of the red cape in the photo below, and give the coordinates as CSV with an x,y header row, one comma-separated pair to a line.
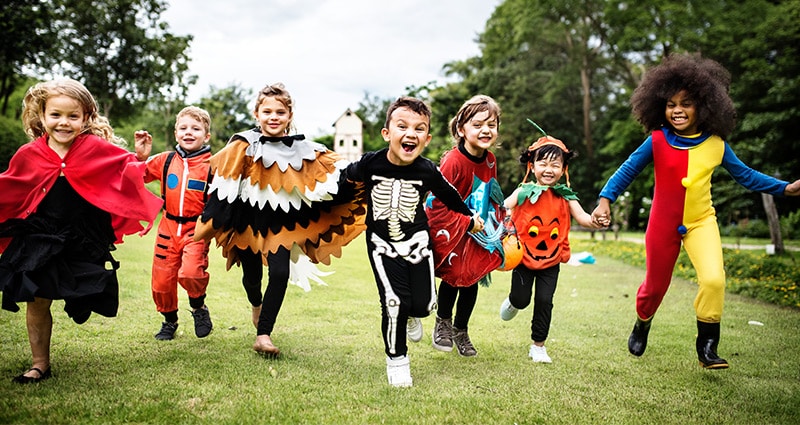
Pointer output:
x,y
104,174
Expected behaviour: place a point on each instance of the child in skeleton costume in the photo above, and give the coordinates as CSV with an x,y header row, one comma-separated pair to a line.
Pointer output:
x,y
397,180
272,197
684,104
462,260
179,259
541,213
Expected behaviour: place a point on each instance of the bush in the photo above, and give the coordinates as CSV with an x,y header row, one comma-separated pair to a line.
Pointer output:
x,y
753,273
790,225
12,136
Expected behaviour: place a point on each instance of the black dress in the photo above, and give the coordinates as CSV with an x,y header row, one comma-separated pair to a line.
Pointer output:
x,y
62,251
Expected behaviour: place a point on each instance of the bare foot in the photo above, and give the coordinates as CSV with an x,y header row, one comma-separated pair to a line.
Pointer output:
x,y
264,345
256,313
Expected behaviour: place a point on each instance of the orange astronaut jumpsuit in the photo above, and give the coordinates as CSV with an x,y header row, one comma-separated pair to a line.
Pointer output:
x,y
178,258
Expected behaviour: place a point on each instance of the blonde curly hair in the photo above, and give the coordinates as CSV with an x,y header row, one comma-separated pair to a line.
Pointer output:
x,y
35,100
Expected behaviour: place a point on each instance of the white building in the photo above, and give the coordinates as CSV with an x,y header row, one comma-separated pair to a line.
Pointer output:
x,y
348,139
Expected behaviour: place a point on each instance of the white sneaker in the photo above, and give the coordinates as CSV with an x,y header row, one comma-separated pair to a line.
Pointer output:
x,y
507,311
414,329
399,371
539,354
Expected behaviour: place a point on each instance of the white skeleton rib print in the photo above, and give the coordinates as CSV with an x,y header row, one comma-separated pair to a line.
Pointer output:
x,y
395,201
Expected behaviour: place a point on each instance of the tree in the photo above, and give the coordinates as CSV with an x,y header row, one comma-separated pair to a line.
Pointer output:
x,y
120,50
28,38
372,111
229,112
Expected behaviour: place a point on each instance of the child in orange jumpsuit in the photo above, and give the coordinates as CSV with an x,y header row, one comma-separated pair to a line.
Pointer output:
x,y
179,259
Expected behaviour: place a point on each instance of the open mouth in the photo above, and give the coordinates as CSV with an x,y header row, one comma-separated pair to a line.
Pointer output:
x,y
409,147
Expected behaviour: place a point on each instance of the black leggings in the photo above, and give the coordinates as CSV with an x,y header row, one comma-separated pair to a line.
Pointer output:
x,y
523,281
467,297
278,280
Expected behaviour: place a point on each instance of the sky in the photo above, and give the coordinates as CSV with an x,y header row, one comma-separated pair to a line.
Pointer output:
x,y
328,54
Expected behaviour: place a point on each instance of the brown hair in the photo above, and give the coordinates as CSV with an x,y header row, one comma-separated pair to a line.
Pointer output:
x,y
411,103
279,92
470,108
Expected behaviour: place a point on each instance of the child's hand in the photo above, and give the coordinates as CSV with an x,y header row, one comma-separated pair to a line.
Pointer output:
x,y
143,142
601,220
477,224
602,214
792,189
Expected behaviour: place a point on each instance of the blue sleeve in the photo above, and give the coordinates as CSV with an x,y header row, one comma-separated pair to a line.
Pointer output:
x,y
627,172
750,178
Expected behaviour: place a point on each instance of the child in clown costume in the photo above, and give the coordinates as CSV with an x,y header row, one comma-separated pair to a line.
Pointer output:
x,y
274,196
541,213
463,259
684,104
178,258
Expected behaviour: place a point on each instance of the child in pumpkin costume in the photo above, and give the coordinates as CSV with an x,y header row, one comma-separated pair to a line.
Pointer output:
x,y
684,103
541,213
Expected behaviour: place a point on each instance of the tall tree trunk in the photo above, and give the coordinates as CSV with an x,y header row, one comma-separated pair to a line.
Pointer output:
x,y
587,109
774,222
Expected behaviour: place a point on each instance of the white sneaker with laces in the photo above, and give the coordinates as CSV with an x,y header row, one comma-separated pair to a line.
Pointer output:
x,y
414,329
399,371
507,311
539,354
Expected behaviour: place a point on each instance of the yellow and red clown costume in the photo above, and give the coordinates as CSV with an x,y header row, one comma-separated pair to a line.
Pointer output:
x,y
682,213
178,258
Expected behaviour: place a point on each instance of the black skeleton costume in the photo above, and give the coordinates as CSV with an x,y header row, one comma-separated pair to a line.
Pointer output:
x,y
398,243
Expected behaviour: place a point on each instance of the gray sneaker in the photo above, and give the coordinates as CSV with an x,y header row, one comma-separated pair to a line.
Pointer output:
x,y
442,338
462,342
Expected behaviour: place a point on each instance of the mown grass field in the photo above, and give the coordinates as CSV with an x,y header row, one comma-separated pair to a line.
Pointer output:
x,y
332,370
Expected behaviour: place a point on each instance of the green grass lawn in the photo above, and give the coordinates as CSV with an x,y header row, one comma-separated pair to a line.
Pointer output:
x,y
332,369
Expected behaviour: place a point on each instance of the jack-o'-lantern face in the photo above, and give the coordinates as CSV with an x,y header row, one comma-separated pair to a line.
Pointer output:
x,y
540,238
542,228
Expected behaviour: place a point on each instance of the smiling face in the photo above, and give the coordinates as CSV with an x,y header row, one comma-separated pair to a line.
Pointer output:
x,y
190,133
548,169
407,135
63,121
273,117
479,133
681,114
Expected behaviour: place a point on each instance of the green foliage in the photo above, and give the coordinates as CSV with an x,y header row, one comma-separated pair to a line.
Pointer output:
x,y
372,112
121,51
769,278
791,225
26,28
230,114
12,136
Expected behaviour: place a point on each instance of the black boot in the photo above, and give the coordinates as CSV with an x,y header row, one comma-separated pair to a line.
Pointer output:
x,y
707,340
637,342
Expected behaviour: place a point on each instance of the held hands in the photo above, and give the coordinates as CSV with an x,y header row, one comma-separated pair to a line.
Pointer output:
x,y
601,216
477,224
144,144
792,189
